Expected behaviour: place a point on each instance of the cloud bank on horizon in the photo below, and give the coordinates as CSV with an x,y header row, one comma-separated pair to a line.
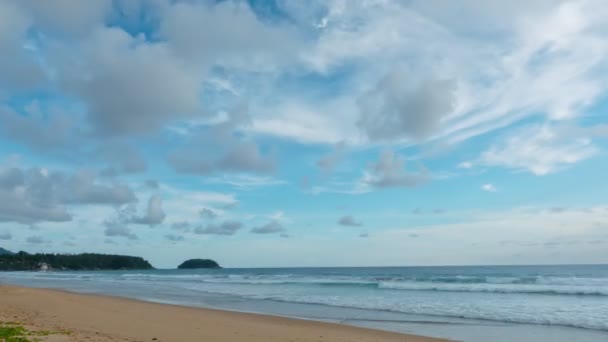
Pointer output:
x,y
279,132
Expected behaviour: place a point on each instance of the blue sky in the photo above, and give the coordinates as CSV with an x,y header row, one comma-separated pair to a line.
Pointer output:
x,y
289,133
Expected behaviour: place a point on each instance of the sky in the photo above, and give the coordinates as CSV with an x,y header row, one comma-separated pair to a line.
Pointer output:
x,y
306,133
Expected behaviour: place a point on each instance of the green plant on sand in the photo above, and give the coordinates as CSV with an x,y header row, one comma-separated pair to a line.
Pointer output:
x,y
16,332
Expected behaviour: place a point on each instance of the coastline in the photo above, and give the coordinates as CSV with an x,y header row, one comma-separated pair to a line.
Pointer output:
x,y
68,316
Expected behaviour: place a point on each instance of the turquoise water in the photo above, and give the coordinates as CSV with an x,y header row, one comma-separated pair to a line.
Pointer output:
x,y
500,303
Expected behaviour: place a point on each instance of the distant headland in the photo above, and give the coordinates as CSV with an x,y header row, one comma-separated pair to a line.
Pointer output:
x,y
198,263
23,261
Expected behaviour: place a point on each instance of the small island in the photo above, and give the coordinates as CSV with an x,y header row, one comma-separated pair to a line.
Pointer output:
x,y
198,263
23,261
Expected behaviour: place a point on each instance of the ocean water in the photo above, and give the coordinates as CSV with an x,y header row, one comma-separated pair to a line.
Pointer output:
x,y
497,303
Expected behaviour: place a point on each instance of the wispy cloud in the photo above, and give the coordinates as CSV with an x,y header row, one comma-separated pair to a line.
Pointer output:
x,y
245,181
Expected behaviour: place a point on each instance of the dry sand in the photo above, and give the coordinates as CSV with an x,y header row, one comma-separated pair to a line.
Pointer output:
x,y
77,317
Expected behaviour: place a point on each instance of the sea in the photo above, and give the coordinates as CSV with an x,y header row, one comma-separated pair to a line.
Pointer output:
x,y
466,303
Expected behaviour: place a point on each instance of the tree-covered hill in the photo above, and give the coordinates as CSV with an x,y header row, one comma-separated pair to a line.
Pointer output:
x,y
23,261
4,251
198,263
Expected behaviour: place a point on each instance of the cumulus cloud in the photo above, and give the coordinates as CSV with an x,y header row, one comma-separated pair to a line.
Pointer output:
x,y
228,151
122,158
271,227
397,109
82,188
350,221
16,208
224,228
242,157
131,87
71,18
128,83
11,178
201,31
38,195
154,213
18,68
28,197
245,157
389,171
207,213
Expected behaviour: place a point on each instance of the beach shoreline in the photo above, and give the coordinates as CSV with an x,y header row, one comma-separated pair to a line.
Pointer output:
x,y
68,316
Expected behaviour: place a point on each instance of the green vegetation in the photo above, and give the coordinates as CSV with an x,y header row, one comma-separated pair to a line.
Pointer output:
x,y
4,251
11,332
15,332
23,261
198,263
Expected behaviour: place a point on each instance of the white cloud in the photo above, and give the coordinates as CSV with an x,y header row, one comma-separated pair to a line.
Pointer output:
x,y
401,108
542,62
277,216
389,171
18,68
154,214
206,32
309,123
184,205
68,17
548,71
540,150
246,181
228,150
132,86
465,165
38,195
488,187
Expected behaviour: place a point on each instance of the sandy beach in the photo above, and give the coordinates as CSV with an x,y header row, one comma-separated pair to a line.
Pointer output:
x,y
54,315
